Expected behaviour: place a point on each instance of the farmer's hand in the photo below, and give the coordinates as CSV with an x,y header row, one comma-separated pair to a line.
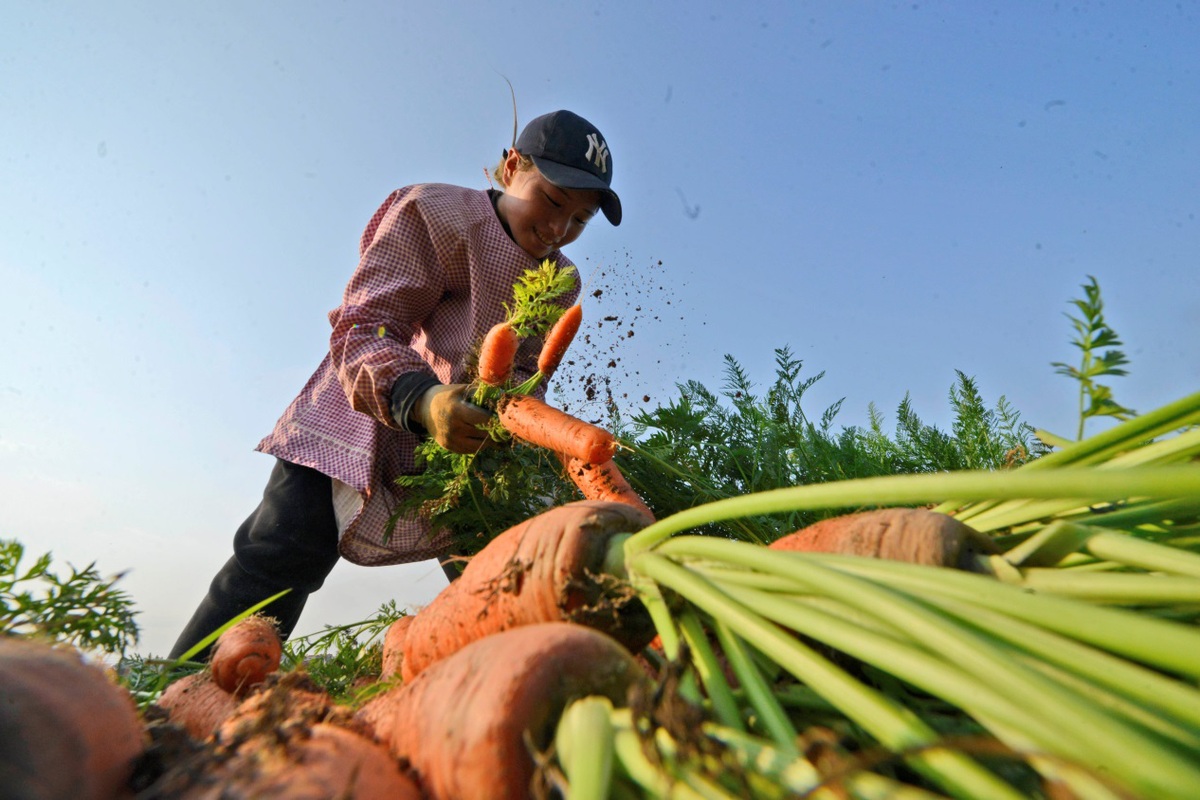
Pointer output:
x,y
452,420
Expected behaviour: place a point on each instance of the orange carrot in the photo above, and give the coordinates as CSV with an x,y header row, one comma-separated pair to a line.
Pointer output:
x,y
915,535
197,704
549,567
245,654
559,339
393,647
66,730
467,725
496,354
604,482
534,421
287,741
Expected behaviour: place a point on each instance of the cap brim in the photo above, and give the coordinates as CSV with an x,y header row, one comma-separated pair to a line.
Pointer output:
x,y
566,177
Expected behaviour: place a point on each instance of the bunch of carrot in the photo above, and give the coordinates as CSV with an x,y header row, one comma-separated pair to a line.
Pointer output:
x,y
585,450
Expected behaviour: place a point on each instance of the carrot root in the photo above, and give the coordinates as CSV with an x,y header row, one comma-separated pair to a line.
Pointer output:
x,y
915,535
604,482
496,354
245,654
559,338
548,568
465,725
534,421
66,730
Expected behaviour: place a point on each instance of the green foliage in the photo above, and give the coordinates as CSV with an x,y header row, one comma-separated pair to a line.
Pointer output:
x,y
706,446
1093,336
338,656
82,608
480,495
535,298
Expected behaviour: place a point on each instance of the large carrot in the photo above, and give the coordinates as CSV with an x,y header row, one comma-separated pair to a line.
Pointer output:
x,y
534,421
67,732
197,704
245,654
915,535
466,725
496,354
547,568
604,482
558,339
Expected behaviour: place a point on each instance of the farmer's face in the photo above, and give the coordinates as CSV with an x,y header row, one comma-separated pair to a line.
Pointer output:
x,y
542,216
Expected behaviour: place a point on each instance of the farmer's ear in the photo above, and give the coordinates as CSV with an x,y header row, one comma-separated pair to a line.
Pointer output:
x,y
512,163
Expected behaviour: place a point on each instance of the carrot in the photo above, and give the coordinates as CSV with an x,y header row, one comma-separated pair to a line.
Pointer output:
x,y
466,725
914,535
549,567
197,704
532,420
66,730
393,647
314,762
287,740
496,354
604,482
245,654
558,339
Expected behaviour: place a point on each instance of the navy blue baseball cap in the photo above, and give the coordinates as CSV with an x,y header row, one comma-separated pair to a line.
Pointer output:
x,y
570,152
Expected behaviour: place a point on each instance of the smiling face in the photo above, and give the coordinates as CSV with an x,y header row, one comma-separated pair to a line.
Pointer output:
x,y
541,216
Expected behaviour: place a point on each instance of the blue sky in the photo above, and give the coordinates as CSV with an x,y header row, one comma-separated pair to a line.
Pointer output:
x,y
893,190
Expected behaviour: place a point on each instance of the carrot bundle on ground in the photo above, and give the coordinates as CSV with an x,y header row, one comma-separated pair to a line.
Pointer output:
x,y
466,724
548,568
246,654
532,420
67,732
914,535
558,339
496,354
604,482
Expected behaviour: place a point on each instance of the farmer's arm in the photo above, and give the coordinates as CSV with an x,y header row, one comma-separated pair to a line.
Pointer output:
x,y
397,284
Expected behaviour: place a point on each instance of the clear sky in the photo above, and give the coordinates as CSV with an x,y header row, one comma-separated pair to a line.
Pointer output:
x,y
894,190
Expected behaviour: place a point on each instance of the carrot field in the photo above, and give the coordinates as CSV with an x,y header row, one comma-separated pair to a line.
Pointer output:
x,y
722,597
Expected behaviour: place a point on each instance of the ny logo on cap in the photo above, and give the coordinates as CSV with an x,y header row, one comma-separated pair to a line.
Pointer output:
x,y
597,151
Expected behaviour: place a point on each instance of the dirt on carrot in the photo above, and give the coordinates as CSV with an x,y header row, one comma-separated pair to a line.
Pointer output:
x,y
197,704
548,568
604,482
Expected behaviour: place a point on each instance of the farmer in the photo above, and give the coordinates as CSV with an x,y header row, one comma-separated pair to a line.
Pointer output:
x,y
437,266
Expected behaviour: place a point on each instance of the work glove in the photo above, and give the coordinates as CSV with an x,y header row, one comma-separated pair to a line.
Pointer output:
x,y
451,419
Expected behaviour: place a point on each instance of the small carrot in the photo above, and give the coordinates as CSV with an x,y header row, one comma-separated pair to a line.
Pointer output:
x,y
534,421
915,535
496,354
604,482
559,339
245,654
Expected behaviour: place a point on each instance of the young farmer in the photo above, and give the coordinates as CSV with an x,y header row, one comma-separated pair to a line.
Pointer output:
x,y
437,266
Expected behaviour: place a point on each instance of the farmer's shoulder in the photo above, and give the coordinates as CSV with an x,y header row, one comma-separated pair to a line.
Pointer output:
x,y
443,201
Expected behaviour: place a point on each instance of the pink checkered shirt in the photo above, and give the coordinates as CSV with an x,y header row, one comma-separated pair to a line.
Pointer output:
x,y
435,272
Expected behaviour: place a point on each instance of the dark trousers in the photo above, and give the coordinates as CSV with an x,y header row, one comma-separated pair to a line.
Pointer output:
x,y
289,542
